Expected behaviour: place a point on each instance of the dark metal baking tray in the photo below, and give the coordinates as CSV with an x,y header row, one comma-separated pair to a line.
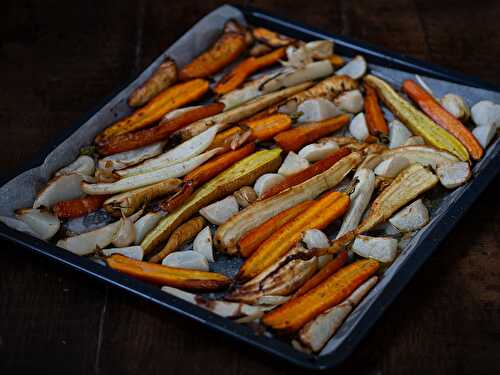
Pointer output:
x,y
344,46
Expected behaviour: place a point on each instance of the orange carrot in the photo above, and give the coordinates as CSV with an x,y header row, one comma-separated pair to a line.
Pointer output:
x,y
329,269
254,238
321,213
271,38
309,172
294,139
79,207
292,315
374,116
222,53
443,118
163,275
204,173
166,101
336,60
130,141
246,68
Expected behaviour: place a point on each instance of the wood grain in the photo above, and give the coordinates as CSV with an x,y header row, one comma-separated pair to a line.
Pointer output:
x,y
59,59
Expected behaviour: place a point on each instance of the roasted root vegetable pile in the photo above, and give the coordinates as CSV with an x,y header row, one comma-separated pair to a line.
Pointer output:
x,y
312,174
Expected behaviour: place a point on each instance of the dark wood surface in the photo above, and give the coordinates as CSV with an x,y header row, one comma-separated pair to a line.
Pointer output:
x,y
59,59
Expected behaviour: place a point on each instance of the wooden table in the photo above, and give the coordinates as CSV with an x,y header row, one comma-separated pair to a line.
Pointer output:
x,y
59,59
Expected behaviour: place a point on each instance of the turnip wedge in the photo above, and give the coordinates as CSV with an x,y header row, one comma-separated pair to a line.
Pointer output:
x,y
60,188
42,222
134,182
185,151
126,159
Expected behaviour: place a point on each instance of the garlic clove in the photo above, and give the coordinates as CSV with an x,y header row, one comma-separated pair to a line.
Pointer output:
x,y
457,106
292,164
125,235
356,68
245,196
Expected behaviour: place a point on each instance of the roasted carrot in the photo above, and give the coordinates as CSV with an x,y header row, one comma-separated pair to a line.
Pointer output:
x,y
130,141
374,116
222,53
306,174
166,101
255,237
271,38
164,76
226,137
443,118
246,68
79,207
336,60
324,210
294,139
185,233
163,275
204,173
292,315
329,269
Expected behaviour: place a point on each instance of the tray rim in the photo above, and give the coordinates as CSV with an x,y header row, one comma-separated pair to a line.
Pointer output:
x,y
349,47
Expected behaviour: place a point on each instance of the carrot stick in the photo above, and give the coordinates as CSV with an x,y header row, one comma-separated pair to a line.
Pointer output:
x,y
222,53
374,116
79,207
324,210
164,275
298,311
294,139
204,173
329,269
166,101
443,118
306,174
246,68
336,60
130,141
254,238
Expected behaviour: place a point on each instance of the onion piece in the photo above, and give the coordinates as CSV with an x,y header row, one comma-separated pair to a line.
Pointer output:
x,y
188,259
485,113
292,164
133,252
40,221
203,244
82,165
383,249
358,127
125,159
356,68
133,182
398,134
410,218
484,134
350,101
60,188
220,212
454,174
391,167
145,224
266,182
185,151
318,109
318,151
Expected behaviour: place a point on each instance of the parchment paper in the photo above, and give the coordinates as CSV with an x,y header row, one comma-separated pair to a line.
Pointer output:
x,y
20,191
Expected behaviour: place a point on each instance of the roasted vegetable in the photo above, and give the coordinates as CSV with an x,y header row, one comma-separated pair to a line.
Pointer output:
x,y
443,118
271,38
415,120
78,207
294,139
163,77
162,131
245,69
223,52
373,113
228,234
163,275
185,233
321,213
169,99
292,315
242,173
41,221
219,212
60,188
355,69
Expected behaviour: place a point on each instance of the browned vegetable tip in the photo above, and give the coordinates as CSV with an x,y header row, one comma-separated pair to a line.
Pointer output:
x,y
271,38
185,233
164,76
259,49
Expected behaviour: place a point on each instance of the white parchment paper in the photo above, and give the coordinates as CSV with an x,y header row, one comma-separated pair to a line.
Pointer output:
x,y
21,191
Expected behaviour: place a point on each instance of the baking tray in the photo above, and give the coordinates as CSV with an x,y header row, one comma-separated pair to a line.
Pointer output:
x,y
484,173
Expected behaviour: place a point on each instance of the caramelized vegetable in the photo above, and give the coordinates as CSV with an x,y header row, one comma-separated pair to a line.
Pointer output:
x,y
443,118
78,207
292,315
163,275
271,38
163,130
168,100
294,139
246,68
164,76
373,113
